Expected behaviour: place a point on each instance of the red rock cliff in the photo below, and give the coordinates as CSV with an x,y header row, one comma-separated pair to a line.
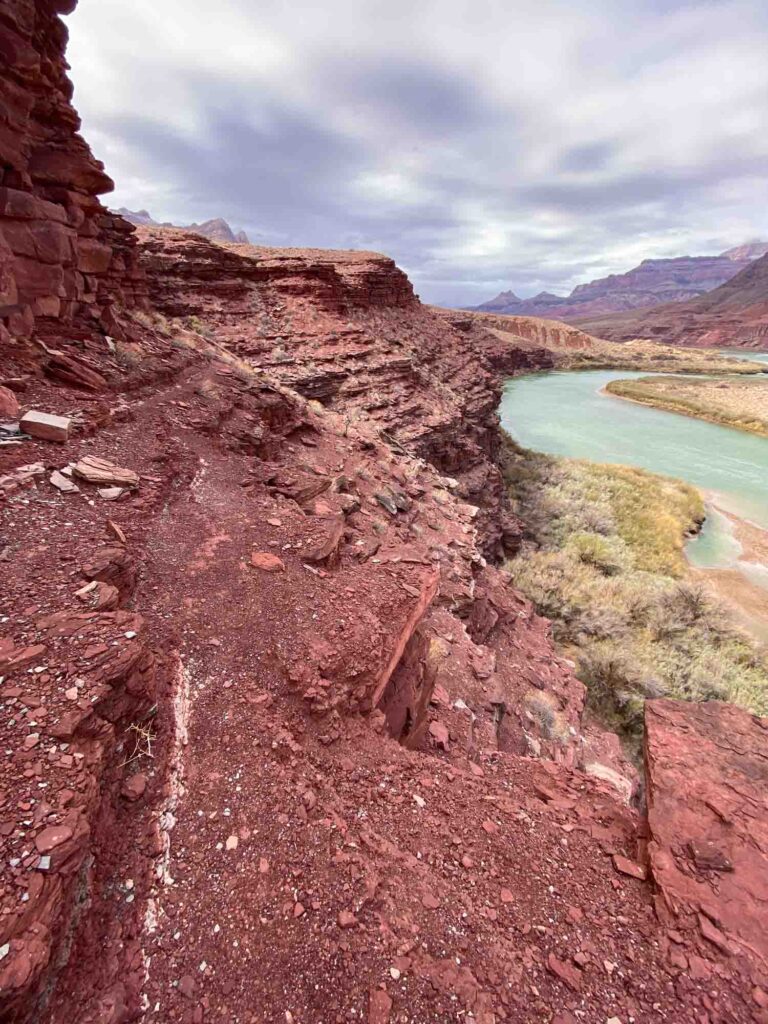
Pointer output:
x,y
62,254
345,328
277,741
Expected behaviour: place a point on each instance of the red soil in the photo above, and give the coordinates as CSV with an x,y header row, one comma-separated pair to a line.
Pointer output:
x,y
280,744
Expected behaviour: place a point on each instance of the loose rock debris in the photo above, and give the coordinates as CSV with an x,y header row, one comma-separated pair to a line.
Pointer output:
x,y
96,470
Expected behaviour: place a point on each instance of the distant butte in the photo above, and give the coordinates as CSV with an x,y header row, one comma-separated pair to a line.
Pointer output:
x,y
735,315
217,229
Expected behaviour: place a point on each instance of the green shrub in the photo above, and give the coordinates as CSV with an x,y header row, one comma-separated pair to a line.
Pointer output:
x,y
604,561
608,554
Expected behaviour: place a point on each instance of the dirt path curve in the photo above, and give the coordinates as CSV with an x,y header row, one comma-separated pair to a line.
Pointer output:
x,y
284,862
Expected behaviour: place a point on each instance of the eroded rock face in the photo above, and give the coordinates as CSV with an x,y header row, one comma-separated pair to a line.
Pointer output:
x,y
653,282
62,255
345,329
107,676
539,338
733,315
707,767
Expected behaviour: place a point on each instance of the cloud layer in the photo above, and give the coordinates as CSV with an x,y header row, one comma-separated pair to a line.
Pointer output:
x,y
506,143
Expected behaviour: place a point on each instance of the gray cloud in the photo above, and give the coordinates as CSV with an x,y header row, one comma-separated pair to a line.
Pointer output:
x,y
483,146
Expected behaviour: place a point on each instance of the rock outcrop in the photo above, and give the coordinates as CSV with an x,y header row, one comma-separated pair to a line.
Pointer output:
x,y
654,282
735,315
62,254
707,769
345,329
536,337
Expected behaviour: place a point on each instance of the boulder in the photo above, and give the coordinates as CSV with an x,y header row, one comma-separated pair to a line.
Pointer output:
x,y
267,562
9,405
133,788
46,425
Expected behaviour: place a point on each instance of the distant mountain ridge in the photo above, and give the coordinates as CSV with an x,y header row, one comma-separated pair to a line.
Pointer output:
x,y
217,229
654,282
733,315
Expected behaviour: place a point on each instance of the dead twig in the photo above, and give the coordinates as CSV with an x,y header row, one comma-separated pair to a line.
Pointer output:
x,y
143,738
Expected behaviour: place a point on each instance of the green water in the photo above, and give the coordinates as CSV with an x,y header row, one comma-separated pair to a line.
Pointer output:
x,y
565,414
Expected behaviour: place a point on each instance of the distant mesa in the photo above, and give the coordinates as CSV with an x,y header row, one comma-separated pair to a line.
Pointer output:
x,y
654,282
746,253
217,229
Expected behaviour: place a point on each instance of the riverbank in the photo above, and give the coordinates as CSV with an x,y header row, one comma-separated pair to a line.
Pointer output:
x,y
567,348
748,603
744,584
603,559
738,403
651,357
568,414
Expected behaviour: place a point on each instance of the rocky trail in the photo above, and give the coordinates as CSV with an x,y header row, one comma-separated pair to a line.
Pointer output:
x,y
201,760
280,741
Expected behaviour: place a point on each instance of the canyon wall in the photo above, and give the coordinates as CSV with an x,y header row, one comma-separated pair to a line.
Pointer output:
x,y
279,735
63,256
653,283
735,315
345,329
525,335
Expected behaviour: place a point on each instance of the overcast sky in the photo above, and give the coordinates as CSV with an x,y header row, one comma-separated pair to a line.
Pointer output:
x,y
524,144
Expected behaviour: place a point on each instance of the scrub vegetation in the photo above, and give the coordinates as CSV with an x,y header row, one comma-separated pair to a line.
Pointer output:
x,y
604,561
657,358
731,402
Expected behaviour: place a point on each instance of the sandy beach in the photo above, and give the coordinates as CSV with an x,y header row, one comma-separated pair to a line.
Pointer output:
x,y
747,599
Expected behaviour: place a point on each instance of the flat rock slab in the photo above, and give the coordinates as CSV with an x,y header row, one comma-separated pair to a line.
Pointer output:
x,y
62,483
707,767
99,471
629,867
45,425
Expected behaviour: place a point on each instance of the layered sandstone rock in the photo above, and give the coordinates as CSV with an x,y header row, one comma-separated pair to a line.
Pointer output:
x,y
707,769
528,340
733,315
654,282
345,328
106,680
62,255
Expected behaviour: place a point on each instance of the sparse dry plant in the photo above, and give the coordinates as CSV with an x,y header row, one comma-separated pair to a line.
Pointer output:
x,y
605,563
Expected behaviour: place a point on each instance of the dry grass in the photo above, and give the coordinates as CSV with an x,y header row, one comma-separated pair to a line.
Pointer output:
x,y
605,563
143,738
658,358
738,403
